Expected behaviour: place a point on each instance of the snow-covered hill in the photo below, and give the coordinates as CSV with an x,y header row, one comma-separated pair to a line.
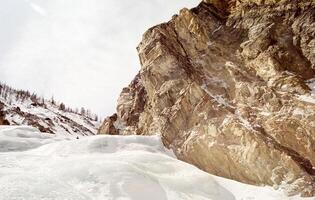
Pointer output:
x,y
35,166
19,107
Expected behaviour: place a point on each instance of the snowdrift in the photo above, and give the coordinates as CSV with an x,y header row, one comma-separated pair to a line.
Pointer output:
x,y
37,166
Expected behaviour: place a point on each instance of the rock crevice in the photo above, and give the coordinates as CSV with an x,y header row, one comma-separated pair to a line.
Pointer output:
x,y
229,87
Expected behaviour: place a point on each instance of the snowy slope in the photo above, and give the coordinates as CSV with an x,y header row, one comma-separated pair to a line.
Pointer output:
x,y
42,166
20,108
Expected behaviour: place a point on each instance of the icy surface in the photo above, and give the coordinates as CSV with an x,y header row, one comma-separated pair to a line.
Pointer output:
x,y
22,138
37,166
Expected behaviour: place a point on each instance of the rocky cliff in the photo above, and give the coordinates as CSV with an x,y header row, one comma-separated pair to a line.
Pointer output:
x,y
229,87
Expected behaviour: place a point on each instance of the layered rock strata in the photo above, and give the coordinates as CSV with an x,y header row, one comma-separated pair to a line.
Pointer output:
x,y
228,86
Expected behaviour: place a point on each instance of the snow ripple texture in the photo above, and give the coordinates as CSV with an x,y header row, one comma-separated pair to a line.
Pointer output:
x,y
37,166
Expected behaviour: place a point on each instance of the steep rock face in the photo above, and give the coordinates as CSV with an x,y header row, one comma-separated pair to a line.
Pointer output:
x,y
228,86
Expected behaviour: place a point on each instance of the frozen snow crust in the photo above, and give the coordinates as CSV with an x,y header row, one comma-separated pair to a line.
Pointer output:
x,y
37,166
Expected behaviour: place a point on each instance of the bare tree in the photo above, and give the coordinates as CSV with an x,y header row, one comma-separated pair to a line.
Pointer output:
x,y
62,107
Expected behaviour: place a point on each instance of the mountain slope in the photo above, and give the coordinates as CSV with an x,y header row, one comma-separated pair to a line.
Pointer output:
x,y
227,85
107,167
19,107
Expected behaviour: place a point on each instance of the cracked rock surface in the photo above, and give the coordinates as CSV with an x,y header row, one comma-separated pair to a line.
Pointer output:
x,y
229,86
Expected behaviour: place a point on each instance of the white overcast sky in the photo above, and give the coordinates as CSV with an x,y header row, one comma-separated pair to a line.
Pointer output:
x,y
82,52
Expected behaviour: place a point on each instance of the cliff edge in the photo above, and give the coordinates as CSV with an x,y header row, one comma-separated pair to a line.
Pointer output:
x,y
229,86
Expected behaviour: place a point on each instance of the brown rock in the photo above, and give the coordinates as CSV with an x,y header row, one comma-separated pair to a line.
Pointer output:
x,y
221,84
3,121
108,127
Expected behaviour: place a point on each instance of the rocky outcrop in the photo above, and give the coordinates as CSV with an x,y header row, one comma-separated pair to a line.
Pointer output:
x,y
3,121
227,85
108,126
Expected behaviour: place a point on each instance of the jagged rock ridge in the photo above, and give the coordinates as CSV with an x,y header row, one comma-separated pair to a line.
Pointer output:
x,y
229,87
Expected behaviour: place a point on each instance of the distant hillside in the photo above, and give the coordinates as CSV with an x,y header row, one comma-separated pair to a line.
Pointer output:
x,y
19,107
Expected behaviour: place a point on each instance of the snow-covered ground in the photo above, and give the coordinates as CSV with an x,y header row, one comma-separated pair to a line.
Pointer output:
x,y
38,112
311,84
310,98
37,166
